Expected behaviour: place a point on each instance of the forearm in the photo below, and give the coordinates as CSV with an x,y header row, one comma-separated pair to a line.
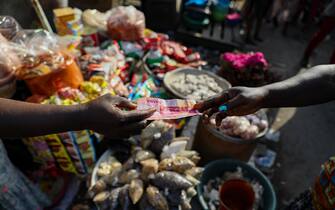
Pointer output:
x,y
315,86
20,119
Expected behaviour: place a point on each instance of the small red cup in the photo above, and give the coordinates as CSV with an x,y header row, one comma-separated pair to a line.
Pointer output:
x,y
236,194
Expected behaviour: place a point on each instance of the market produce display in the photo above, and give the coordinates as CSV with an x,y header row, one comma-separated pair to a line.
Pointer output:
x,y
212,191
159,174
113,53
245,127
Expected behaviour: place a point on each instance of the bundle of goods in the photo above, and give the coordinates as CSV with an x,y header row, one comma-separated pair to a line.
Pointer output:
x,y
159,174
245,127
73,152
234,191
43,63
250,69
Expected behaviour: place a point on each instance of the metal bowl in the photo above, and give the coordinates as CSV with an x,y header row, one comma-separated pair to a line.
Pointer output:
x,y
219,167
261,113
172,76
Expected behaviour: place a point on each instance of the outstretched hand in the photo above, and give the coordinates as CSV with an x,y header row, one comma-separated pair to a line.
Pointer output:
x,y
115,116
238,101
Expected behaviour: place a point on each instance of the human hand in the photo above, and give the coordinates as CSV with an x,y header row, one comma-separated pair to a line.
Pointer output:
x,y
238,101
109,115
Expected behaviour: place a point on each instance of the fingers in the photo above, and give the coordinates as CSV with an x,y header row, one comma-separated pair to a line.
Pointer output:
x,y
126,131
135,128
137,115
219,117
212,102
233,106
208,113
125,103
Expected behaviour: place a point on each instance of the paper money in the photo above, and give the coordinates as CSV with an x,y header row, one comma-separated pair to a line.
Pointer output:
x,y
168,109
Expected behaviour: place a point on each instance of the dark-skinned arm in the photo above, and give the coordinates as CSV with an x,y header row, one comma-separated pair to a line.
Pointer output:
x,y
315,86
20,119
105,115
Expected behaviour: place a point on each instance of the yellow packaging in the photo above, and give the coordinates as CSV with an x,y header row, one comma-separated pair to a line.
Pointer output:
x,y
61,17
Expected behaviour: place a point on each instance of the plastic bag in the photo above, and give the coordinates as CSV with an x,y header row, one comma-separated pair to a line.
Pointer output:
x,y
8,63
9,27
126,23
96,19
44,63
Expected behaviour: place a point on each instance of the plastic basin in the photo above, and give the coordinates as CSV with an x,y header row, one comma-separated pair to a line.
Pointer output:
x,y
219,167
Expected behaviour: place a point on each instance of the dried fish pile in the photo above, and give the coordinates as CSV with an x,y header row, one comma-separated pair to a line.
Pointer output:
x,y
197,87
160,174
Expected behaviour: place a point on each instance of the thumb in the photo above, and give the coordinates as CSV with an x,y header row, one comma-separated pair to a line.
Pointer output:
x,y
125,103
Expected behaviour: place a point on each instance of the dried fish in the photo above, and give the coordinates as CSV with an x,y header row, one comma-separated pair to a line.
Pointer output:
x,y
190,154
136,190
149,167
173,149
124,198
144,204
143,155
126,176
191,192
129,164
193,180
195,172
112,179
99,186
161,139
114,196
102,200
147,135
177,164
171,180
185,202
114,163
156,199
174,197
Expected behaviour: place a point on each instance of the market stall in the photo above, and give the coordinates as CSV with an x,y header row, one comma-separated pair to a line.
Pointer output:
x,y
114,53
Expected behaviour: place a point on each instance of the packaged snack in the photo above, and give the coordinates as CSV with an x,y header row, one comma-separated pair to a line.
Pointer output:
x,y
61,18
59,152
45,65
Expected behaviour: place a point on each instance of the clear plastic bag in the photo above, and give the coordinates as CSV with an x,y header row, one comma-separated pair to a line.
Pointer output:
x,y
8,62
9,27
126,23
45,65
96,19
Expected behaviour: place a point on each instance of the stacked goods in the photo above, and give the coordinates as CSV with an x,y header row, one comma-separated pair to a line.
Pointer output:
x,y
159,174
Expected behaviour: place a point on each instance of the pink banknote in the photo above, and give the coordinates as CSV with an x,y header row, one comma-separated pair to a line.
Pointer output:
x,y
168,109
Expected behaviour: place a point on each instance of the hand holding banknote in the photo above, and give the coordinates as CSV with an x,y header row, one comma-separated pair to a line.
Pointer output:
x,y
168,109
115,116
